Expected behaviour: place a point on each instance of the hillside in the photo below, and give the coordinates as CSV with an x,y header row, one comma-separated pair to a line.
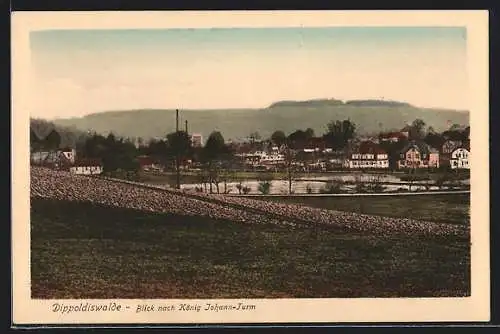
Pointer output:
x,y
370,116
70,135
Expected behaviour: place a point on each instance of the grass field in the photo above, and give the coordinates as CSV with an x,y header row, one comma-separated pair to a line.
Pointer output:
x,y
449,208
82,250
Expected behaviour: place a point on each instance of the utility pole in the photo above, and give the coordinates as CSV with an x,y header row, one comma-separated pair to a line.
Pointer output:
x,y
177,157
186,127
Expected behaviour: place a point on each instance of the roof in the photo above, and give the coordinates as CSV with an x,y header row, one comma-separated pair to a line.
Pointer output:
x,y
421,146
407,128
145,160
368,147
392,135
465,145
87,163
66,149
312,143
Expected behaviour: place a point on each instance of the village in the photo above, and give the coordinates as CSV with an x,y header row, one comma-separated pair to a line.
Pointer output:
x,y
409,151
389,151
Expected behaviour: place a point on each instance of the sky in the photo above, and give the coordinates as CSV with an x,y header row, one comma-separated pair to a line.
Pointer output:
x,y
78,72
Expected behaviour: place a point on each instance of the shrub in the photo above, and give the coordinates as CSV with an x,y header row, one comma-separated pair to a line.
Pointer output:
x,y
377,187
246,189
414,177
265,187
309,189
332,187
361,188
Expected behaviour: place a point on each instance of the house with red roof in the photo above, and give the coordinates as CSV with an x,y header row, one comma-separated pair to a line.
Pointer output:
x,y
418,154
393,137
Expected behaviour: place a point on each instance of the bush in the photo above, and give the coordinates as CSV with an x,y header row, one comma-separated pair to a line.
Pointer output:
x,y
309,189
332,187
246,189
414,177
361,188
265,187
377,187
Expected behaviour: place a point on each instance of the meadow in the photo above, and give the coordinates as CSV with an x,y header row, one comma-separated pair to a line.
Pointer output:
x,y
89,250
447,208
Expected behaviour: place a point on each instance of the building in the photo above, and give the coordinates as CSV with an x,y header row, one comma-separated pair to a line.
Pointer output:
x,y
315,144
446,150
393,137
418,155
196,140
53,159
335,159
366,155
86,167
70,154
460,157
148,163
450,145
406,131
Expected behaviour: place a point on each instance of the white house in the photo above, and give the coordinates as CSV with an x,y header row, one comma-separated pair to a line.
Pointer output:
x,y
272,158
368,155
86,167
460,158
69,154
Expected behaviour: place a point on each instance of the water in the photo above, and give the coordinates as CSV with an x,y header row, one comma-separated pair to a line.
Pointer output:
x,y
299,187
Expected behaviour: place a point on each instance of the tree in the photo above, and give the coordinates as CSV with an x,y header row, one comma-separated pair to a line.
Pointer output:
x,y
214,151
34,140
178,146
455,127
417,129
278,137
289,164
466,133
309,133
116,154
254,136
53,140
434,140
339,133
298,137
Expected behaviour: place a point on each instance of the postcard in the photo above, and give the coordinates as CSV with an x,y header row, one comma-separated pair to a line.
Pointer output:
x,y
250,167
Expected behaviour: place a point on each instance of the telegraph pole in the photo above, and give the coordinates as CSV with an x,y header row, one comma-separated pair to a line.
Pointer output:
x,y
177,157
177,120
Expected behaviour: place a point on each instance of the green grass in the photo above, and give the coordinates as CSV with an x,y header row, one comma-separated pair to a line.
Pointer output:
x,y
448,208
82,250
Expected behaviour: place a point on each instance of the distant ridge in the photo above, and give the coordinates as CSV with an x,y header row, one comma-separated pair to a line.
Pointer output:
x,y
335,102
308,103
370,116
378,103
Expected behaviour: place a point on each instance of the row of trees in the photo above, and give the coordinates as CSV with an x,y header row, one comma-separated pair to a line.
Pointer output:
x,y
337,135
